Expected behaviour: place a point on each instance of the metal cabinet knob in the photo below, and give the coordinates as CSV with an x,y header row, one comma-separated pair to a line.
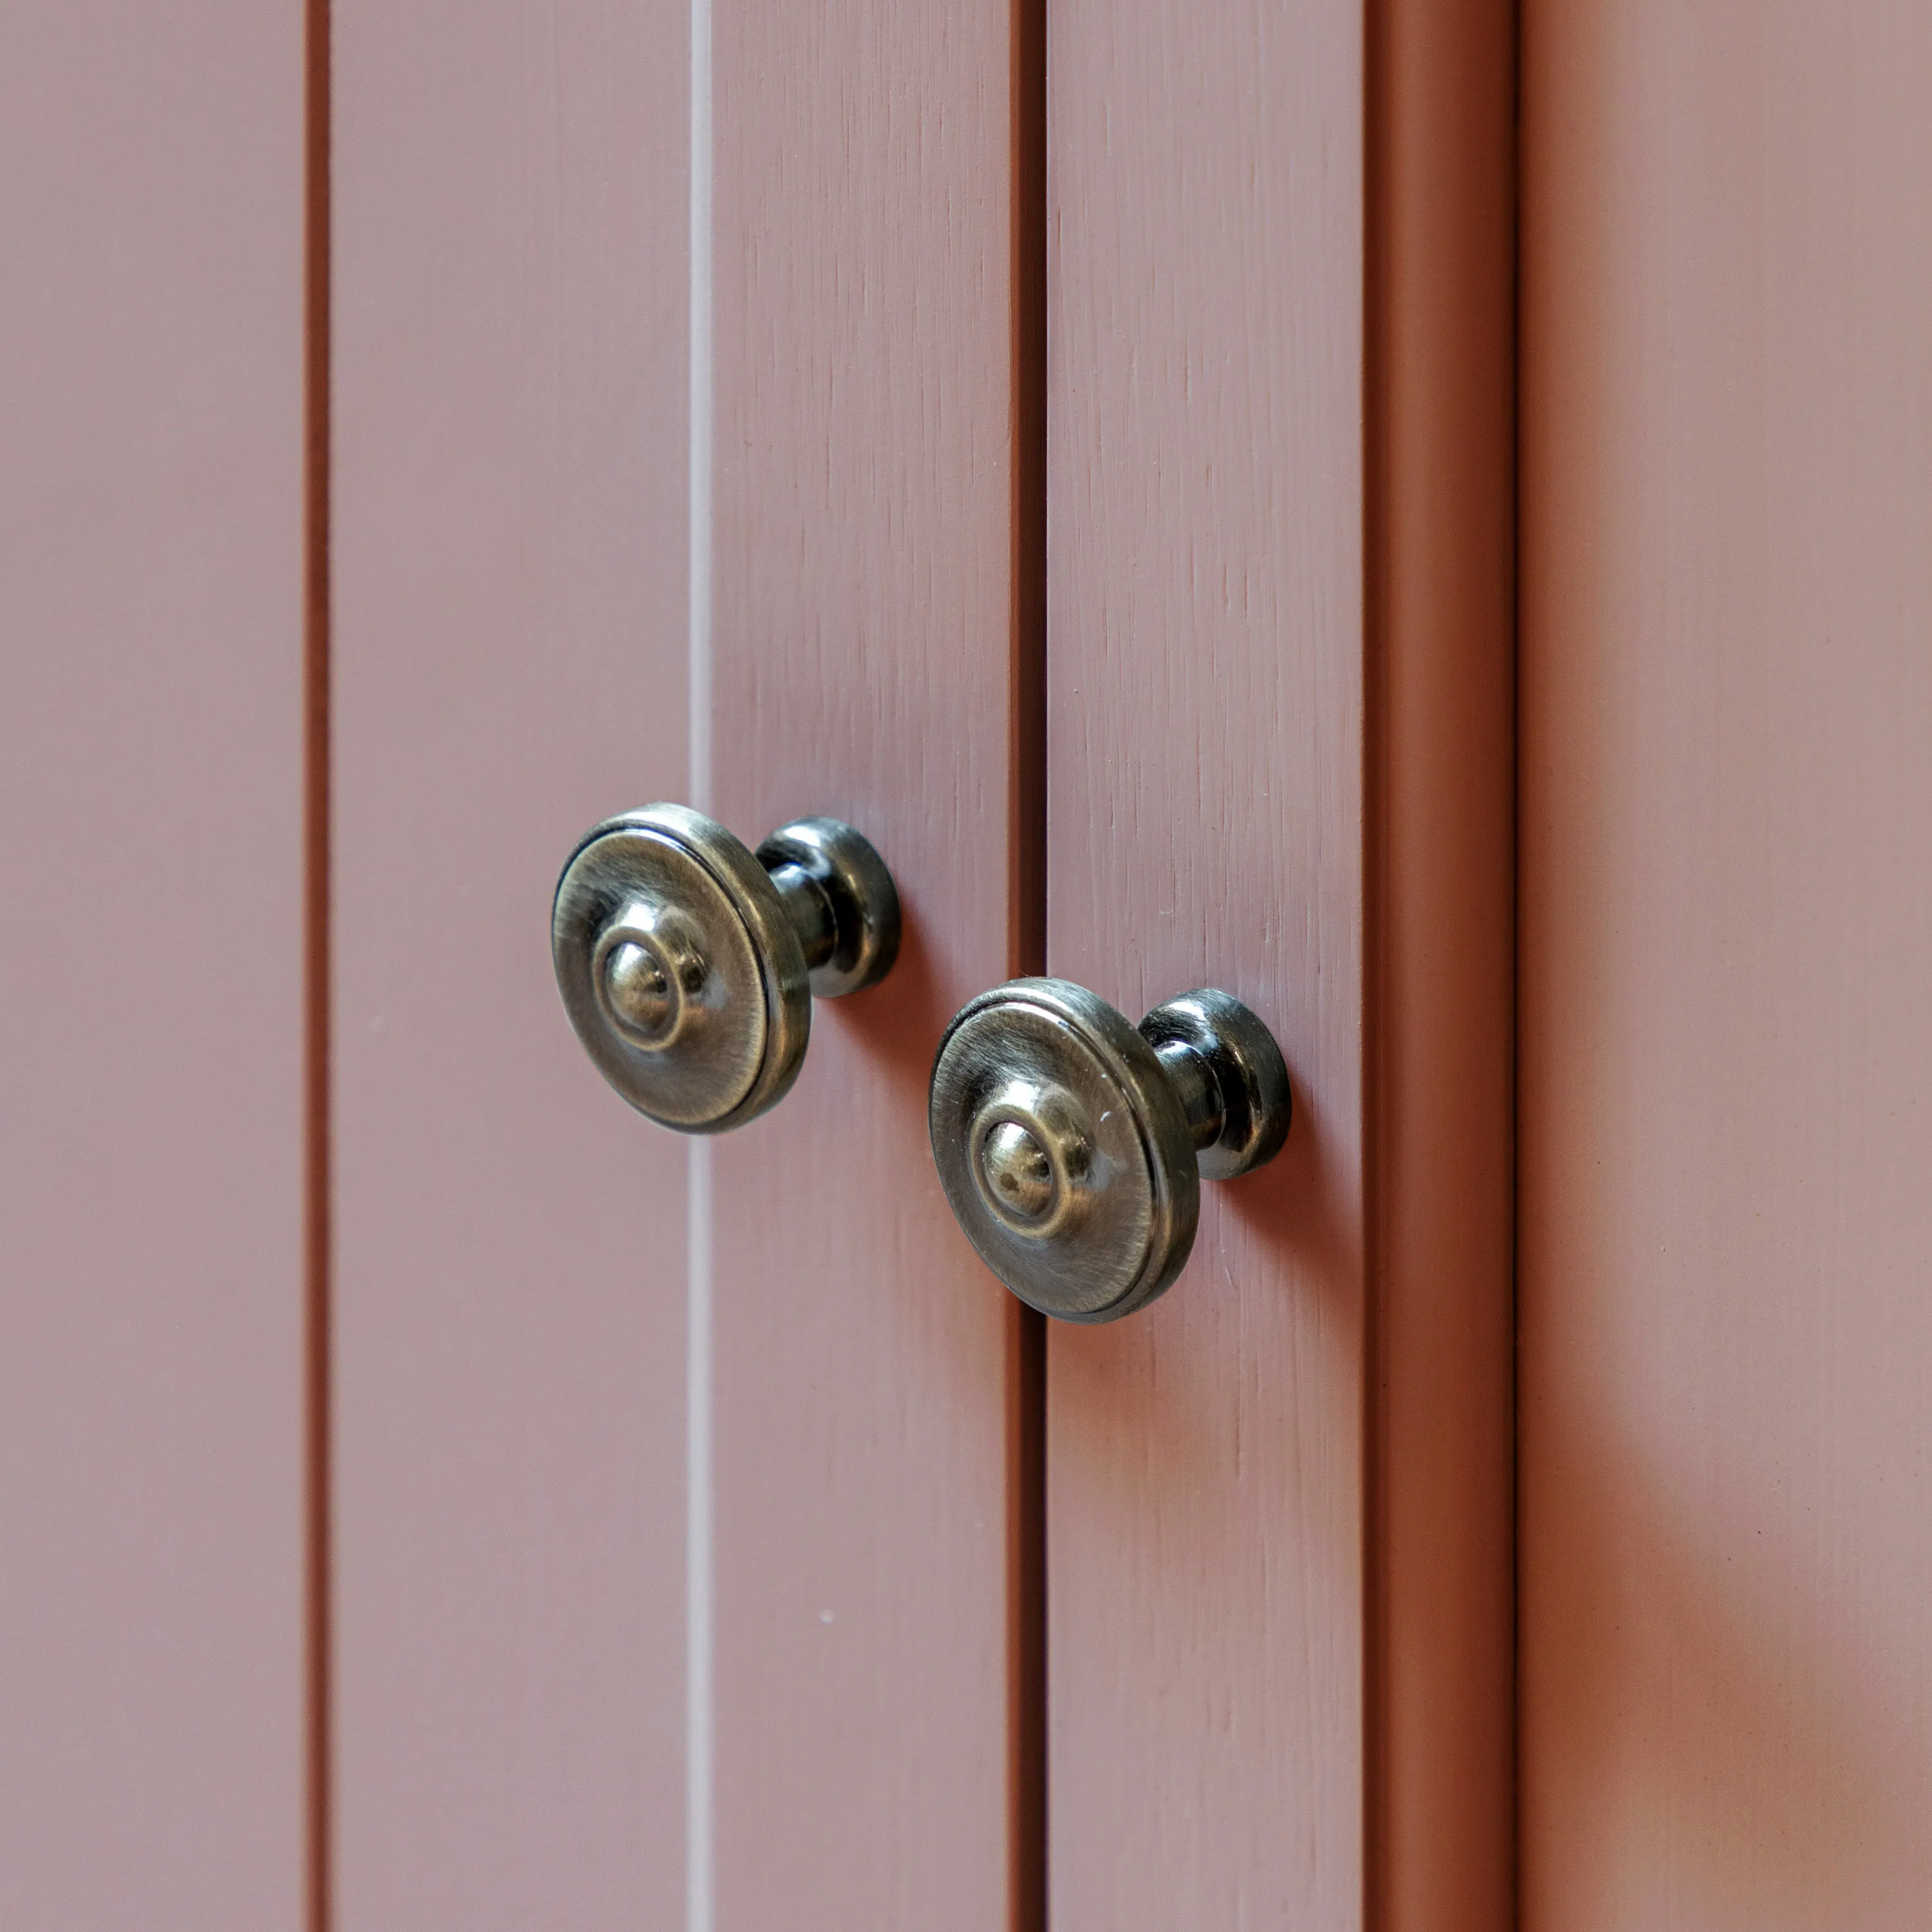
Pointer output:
x,y
687,963
1072,1145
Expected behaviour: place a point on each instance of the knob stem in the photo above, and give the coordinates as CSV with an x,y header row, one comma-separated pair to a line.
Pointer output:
x,y
1196,1087
808,906
838,894
1229,1076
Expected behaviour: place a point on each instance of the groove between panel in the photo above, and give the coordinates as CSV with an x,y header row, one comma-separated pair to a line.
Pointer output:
x,y
1027,943
315,957
1439,828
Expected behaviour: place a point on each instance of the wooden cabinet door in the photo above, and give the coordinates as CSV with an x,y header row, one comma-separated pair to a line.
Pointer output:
x,y
675,1483
1726,1666
1278,700
1071,444
1076,443
155,1221
506,1583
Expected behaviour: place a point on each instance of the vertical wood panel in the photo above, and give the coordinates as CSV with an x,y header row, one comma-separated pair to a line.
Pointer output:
x,y
1441,373
1727,923
150,1029
1205,651
865,631
510,264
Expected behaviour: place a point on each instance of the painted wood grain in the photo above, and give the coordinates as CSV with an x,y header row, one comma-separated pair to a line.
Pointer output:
x,y
510,253
1206,1487
865,1391
1727,933
151,519
1442,372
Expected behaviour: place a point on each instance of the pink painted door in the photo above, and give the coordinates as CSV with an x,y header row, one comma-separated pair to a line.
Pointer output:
x,y
676,1484
1099,450
156,1207
1277,756
1726,913
441,1497
793,415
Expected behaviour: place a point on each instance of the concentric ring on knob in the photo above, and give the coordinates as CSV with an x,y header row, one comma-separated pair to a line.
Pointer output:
x,y
1063,1150
679,970
648,973
1030,1149
1016,1173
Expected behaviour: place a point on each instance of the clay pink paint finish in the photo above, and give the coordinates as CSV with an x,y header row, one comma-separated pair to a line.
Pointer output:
x,y
151,967
865,627
1726,1556
1204,763
510,256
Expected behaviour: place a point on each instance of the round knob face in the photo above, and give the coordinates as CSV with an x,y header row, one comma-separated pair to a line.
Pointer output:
x,y
680,969
1063,1150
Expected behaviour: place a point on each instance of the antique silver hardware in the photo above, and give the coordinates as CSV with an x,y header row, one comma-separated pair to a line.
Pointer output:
x,y
688,963
1072,1145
